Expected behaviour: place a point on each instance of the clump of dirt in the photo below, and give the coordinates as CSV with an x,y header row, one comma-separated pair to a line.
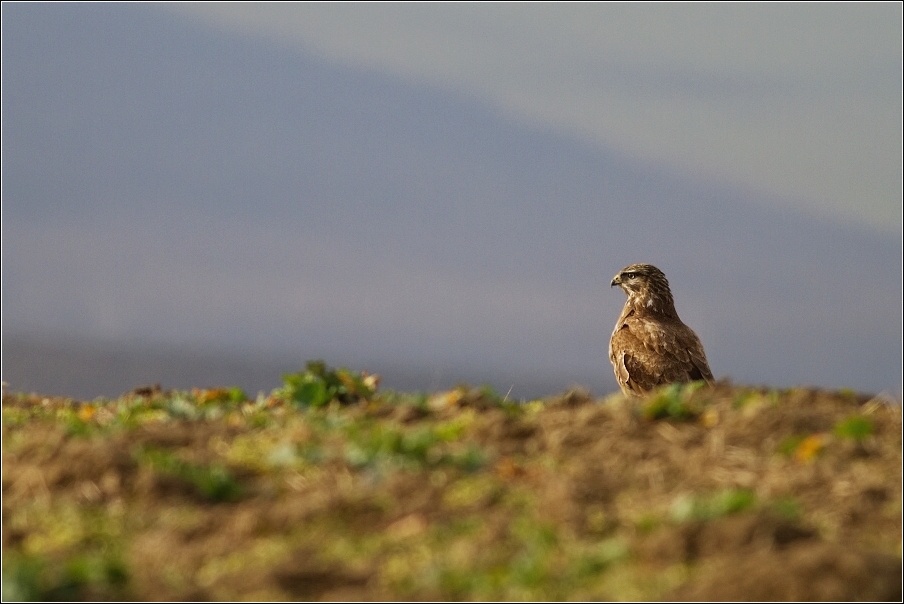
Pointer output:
x,y
806,572
721,493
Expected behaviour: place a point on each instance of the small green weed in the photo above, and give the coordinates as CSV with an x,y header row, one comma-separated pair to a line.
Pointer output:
x,y
213,482
687,508
318,385
788,445
674,401
14,416
75,426
368,444
418,400
83,576
855,427
647,523
601,557
787,507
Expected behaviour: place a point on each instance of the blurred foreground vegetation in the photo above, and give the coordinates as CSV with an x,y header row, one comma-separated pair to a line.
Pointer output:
x,y
329,488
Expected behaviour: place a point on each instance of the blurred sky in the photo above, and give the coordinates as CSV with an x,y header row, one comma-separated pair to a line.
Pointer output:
x,y
447,190
799,100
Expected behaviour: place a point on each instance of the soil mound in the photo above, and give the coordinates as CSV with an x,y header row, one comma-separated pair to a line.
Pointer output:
x,y
330,490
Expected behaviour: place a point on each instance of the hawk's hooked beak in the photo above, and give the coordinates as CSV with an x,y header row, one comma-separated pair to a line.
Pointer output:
x,y
615,281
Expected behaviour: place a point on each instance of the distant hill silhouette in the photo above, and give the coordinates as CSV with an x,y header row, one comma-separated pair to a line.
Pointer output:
x,y
166,185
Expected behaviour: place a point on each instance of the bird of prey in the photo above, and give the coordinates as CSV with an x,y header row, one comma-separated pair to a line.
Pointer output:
x,y
650,346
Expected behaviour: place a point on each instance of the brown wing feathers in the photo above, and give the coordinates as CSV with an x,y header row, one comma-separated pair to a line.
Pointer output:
x,y
650,346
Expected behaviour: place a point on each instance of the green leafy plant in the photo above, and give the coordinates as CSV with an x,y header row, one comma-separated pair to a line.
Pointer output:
x,y
318,385
855,427
674,401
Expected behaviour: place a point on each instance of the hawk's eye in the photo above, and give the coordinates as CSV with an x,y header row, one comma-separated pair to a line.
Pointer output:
x,y
630,275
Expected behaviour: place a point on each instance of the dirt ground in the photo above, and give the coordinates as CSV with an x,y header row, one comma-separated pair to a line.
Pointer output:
x,y
724,493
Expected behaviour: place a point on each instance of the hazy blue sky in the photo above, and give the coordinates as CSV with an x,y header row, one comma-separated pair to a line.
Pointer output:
x,y
799,100
449,189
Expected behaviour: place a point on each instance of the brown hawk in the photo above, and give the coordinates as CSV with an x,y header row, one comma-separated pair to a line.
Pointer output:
x,y
650,346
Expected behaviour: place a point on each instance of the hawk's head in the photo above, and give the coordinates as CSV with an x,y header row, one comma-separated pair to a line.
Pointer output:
x,y
647,288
